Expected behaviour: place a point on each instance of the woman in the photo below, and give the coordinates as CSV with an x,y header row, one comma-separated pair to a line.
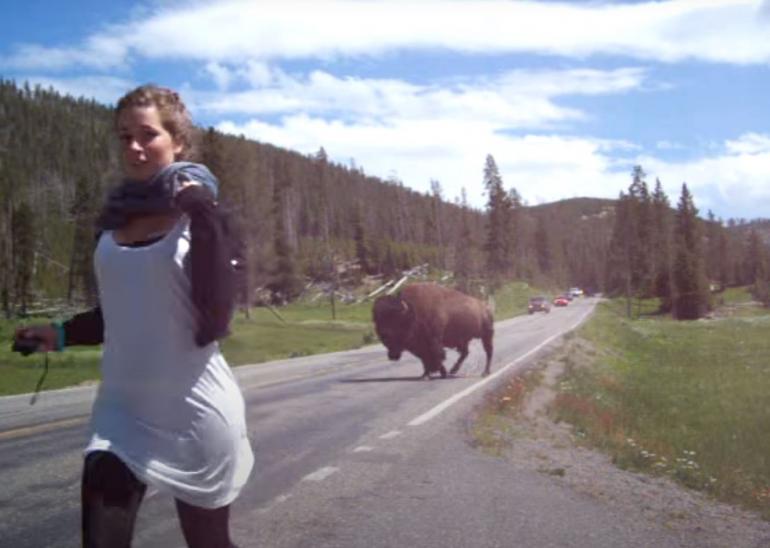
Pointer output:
x,y
168,412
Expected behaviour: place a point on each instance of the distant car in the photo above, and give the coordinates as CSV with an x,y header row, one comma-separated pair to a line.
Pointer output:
x,y
575,292
561,300
538,304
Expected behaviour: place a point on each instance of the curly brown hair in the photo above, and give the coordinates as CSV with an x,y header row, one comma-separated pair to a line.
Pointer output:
x,y
173,113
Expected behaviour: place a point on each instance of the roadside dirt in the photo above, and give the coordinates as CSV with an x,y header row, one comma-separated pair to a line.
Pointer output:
x,y
530,440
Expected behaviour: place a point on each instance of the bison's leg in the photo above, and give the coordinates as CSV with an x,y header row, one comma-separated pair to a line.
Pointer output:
x,y
439,364
430,363
437,355
433,365
486,340
463,354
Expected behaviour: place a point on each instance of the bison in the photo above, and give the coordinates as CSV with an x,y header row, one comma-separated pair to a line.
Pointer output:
x,y
427,317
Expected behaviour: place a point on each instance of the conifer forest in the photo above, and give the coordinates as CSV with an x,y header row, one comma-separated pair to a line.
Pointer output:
x,y
304,218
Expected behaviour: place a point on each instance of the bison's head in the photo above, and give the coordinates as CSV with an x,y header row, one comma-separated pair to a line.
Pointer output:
x,y
393,320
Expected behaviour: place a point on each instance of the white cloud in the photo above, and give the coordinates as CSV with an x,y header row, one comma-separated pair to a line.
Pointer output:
x,y
730,31
36,57
733,182
668,31
668,145
443,130
749,144
220,74
553,83
425,132
103,51
517,99
257,74
542,168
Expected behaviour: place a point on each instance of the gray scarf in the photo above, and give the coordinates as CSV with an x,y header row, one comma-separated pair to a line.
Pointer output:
x,y
138,198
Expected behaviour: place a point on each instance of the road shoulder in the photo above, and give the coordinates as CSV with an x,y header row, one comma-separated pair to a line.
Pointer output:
x,y
528,441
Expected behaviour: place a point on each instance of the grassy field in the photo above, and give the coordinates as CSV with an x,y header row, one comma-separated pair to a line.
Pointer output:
x,y
20,374
687,399
303,329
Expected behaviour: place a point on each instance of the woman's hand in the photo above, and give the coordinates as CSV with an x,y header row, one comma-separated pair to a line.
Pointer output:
x,y
192,195
44,336
183,185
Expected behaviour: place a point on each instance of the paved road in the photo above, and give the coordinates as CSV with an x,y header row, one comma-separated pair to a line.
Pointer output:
x,y
351,451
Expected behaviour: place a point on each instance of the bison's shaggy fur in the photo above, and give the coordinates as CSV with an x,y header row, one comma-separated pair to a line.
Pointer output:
x,y
426,318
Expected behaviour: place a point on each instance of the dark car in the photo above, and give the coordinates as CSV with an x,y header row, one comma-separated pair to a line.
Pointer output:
x,y
538,304
561,300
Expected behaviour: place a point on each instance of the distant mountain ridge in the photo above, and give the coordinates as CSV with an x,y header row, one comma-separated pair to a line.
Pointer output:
x,y
760,226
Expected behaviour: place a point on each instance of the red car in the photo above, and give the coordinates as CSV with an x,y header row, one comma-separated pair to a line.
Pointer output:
x,y
561,300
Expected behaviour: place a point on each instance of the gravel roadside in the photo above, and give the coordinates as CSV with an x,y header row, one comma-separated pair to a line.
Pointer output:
x,y
530,441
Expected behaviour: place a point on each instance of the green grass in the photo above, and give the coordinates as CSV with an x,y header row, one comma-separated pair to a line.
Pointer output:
x,y
305,330
686,399
264,337
736,295
19,374
511,300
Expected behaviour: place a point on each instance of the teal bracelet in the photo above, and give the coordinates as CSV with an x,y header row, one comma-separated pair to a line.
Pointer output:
x,y
60,335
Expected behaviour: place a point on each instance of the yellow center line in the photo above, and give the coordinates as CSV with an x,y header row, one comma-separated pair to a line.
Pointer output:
x,y
40,428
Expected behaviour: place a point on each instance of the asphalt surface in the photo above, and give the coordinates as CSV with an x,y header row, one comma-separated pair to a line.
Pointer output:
x,y
351,451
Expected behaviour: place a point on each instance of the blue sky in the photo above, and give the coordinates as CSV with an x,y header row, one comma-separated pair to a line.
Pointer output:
x,y
567,96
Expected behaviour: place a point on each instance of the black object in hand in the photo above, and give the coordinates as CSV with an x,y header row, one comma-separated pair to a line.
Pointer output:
x,y
26,345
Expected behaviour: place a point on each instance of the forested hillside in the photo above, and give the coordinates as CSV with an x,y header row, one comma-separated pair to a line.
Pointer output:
x,y
306,218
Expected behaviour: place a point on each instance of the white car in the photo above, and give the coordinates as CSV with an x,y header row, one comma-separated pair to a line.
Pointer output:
x,y
575,292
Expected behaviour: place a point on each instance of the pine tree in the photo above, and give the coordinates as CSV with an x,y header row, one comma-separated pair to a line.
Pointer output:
x,y
641,235
498,241
81,276
631,266
321,161
661,246
515,242
212,153
7,180
691,297
543,247
463,251
24,242
436,212
389,266
713,258
619,258
286,284
757,267
725,265
362,245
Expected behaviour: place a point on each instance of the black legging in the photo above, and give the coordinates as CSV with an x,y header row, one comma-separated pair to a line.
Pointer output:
x,y
111,495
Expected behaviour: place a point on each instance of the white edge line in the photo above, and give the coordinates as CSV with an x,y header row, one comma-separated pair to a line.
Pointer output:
x,y
437,410
390,435
321,474
280,499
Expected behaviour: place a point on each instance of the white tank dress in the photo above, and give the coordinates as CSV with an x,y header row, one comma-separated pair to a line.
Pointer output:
x,y
170,410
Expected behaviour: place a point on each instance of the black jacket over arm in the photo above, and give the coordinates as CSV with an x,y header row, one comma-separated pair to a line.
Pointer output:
x,y
213,286
213,280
